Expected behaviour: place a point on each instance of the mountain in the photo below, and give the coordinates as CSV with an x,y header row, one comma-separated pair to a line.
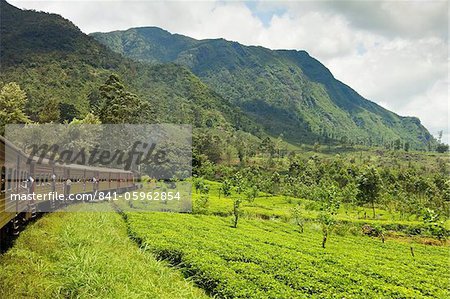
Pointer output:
x,y
288,92
49,57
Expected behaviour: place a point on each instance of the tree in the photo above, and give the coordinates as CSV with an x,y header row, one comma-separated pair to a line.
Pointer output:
x,y
236,211
442,148
369,187
115,105
267,146
406,146
251,194
89,119
440,136
49,112
67,112
12,104
298,217
316,147
397,144
330,207
225,188
326,221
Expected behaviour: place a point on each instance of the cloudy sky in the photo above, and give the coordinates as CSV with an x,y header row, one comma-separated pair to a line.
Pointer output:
x,y
394,53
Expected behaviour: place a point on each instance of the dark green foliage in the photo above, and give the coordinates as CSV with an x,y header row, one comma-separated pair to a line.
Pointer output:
x,y
114,104
67,112
442,148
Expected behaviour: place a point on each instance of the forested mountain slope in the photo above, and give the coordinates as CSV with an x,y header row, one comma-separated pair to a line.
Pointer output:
x,y
59,67
286,91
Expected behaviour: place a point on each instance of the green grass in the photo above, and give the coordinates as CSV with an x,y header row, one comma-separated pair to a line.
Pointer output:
x,y
272,259
86,255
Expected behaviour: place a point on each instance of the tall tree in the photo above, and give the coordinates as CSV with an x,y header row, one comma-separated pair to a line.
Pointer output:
x,y
369,187
114,104
67,112
12,104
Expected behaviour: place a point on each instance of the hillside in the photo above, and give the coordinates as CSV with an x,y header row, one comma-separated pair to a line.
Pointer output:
x,y
288,92
49,57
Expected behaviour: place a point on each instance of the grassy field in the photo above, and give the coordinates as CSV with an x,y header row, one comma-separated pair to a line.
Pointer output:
x,y
86,255
272,259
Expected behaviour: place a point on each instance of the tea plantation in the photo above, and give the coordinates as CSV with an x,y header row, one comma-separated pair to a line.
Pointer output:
x,y
271,259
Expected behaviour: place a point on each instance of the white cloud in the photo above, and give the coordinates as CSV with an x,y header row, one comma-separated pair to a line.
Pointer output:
x,y
394,53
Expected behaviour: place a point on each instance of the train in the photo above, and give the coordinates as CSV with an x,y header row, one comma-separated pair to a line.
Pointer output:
x,y
23,175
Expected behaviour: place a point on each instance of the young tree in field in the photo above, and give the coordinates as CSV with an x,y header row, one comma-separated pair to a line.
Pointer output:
x,y
236,211
327,221
203,201
239,182
225,188
198,184
12,104
298,217
251,194
369,187
330,207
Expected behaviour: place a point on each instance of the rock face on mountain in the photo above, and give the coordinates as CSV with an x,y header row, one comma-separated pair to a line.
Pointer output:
x,y
287,92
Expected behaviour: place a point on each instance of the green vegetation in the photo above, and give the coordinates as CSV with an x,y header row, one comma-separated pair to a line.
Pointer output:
x,y
288,92
86,255
405,189
302,188
270,259
12,104
67,74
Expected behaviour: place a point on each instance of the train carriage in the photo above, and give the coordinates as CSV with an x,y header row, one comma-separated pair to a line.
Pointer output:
x,y
21,174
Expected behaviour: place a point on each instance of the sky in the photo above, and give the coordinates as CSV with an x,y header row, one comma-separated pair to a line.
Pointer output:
x,y
394,53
